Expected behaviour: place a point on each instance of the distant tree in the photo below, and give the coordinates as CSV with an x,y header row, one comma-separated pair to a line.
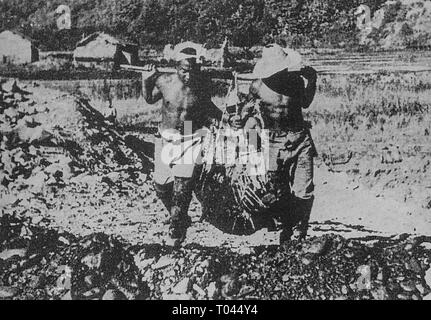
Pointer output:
x,y
157,22
246,24
213,19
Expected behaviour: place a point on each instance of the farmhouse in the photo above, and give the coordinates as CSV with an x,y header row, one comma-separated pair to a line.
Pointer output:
x,y
102,51
16,48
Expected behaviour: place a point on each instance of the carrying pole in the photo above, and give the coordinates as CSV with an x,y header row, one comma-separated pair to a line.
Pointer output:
x,y
229,74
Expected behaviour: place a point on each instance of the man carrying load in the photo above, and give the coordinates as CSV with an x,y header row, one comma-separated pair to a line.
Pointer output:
x,y
281,92
186,109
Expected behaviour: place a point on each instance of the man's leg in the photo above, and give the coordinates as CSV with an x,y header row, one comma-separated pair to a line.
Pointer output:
x,y
279,186
183,187
164,193
299,171
302,192
180,220
287,219
163,177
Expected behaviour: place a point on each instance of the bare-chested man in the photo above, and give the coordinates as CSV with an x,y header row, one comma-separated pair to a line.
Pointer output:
x,y
282,94
186,108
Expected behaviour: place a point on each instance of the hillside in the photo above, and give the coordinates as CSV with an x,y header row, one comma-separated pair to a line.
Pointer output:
x,y
399,25
302,23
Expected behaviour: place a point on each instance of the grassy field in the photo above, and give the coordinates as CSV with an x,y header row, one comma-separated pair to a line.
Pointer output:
x,y
365,114
372,108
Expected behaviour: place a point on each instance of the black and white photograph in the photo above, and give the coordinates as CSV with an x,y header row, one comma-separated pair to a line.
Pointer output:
x,y
215,150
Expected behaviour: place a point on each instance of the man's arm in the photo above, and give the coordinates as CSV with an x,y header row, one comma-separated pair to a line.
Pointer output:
x,y
151,93
249,100
310,74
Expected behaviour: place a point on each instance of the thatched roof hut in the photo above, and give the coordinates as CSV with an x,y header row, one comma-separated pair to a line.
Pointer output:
x,y
101,49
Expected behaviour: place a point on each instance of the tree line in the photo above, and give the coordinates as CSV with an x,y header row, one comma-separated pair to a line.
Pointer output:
x,y
154,23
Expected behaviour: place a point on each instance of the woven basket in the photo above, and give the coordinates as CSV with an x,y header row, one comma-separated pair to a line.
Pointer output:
x,y
236,195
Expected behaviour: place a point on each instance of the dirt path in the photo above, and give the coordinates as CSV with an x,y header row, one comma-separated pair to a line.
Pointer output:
x,y
341,208
354,210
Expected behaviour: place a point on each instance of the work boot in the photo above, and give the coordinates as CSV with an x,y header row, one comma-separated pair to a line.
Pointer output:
x,y
281,211
285,236
302,216
164,193
295,222
178,231
180,220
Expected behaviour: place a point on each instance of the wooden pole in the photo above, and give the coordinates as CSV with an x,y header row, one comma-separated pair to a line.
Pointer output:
x,y
228,74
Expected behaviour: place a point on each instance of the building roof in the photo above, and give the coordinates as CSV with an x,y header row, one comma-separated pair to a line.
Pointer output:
x,y
103,36
11,33
99,47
